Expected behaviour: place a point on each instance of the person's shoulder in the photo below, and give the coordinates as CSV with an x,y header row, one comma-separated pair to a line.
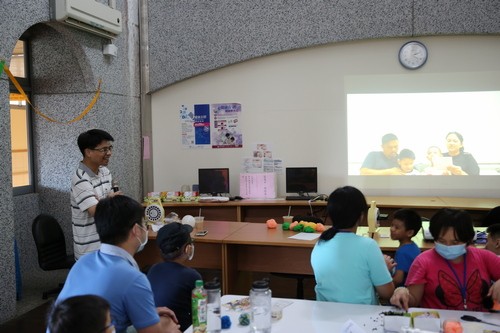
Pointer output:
x,y
483,253
467,154
427,256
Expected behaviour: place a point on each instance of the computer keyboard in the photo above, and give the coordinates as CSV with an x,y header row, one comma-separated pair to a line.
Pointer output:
x,y
299,197
213,199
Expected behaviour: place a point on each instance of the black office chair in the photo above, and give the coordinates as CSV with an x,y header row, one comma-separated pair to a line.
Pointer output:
x,y
51,247
492,217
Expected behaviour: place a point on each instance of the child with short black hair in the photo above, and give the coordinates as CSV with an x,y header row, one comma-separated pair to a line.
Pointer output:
x,y
405,224
493,243
406,160
80,314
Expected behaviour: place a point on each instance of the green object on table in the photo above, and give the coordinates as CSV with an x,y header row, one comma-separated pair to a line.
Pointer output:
x,y
244,319
309,229
286,226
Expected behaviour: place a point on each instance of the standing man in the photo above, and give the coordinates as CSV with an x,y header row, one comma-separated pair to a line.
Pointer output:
x,y
383,162
112,272
90,183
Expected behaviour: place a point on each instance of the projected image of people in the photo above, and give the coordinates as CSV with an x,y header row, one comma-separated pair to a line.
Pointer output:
x,y
430,167
383,162
406,160
463,162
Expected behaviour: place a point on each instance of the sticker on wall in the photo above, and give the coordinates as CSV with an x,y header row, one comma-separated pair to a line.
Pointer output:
x,y
211,126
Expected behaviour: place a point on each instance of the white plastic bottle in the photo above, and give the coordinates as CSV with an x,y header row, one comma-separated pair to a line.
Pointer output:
x,y
213,306
260,302
372,218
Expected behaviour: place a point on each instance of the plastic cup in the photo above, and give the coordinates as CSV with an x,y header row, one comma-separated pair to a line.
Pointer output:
x,y
287,219
198,223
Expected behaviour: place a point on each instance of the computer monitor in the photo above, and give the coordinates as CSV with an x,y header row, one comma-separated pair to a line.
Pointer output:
x,y
302,180
214,181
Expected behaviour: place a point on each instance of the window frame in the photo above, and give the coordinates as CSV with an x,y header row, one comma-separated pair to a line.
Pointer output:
x,y
26,85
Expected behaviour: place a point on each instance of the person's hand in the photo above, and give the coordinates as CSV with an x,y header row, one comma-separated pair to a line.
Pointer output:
x,y
112,193
163,311
455,170
401,298
395,171
494,291
168,325
389,262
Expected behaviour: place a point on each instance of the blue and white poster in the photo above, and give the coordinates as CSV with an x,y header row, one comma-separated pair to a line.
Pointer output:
x,y
211,126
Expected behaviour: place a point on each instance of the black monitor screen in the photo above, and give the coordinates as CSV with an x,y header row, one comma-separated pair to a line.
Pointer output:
x,y
213,181
302,180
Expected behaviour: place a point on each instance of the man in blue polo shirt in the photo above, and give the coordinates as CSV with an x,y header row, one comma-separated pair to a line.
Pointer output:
x,y
383,162
113,274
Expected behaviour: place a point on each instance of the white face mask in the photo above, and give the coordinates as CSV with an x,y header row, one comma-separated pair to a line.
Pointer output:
x,y
142,243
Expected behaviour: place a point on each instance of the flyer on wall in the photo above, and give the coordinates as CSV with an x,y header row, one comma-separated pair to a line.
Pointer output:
x,y
226,126
211,126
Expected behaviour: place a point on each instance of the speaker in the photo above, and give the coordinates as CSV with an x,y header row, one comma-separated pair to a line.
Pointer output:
x,y
154,212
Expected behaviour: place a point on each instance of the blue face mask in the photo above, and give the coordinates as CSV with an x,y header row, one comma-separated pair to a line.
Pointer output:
x,y
450,252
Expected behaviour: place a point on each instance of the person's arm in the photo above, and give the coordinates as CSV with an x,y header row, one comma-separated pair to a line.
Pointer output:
x,y
166,325
91,209
494,291
398,277
405,298
380,172
385,291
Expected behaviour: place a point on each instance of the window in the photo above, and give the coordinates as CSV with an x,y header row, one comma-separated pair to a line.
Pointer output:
x,y
20,123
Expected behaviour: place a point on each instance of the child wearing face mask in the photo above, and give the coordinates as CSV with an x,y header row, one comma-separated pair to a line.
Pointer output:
x,y
453,275
172,281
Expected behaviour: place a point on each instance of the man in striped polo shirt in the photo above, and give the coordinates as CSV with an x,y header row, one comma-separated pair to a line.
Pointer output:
x,y
91,182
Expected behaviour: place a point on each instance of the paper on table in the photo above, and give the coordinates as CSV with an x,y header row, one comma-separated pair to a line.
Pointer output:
x,y
351,327
305,236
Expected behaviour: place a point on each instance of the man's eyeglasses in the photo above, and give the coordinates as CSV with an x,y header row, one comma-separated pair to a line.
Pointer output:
x,y
103,149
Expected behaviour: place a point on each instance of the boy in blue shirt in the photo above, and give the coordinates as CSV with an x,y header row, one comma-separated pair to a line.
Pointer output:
x,y
405,224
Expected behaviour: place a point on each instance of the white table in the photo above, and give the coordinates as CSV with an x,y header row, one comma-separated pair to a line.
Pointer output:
x,y
313,316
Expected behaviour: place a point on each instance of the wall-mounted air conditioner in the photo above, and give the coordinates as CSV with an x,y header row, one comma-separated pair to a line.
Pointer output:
x,y
89,15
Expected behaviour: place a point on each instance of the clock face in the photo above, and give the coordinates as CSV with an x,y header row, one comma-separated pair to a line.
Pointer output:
x,y
413,55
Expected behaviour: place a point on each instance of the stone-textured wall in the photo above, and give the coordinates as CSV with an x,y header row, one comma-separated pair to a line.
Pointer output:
x,y
191,37
67,64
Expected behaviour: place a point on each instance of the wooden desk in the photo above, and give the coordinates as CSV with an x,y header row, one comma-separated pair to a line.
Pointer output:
x,y
261,210
234,247
246,210
209,249
255,248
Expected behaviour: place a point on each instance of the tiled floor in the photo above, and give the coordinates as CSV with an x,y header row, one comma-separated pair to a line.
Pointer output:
x,y
31,313
31,322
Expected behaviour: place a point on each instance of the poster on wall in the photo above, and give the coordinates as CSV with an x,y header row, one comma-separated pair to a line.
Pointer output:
x,y
211,126
227,132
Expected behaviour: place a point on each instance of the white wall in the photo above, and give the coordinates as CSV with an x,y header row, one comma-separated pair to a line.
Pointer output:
x,y
296,102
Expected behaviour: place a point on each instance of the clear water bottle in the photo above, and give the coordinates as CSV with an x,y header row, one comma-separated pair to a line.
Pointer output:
x,y
260,302
213,306
199,307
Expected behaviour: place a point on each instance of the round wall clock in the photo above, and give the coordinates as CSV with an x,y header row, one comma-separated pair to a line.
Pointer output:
x,y
413,55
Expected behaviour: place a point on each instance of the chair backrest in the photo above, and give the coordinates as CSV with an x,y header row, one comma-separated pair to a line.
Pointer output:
x,y
50,243
492,217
